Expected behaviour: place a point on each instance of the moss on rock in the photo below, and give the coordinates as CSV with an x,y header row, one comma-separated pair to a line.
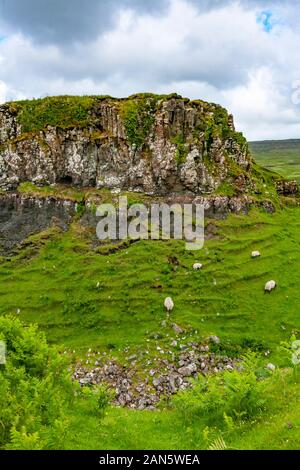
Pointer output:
x,y
138,116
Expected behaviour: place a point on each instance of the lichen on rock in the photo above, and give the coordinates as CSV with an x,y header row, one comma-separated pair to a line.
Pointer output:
x,y
147,143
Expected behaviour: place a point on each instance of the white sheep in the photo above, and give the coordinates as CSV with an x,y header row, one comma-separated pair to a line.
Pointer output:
x,y
169,304
197,266
270,285
255,254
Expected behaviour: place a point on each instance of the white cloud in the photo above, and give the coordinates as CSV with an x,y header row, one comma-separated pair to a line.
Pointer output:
x,y
218,54
261,110
3,92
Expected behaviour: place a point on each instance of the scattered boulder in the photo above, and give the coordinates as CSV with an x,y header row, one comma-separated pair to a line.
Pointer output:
x,y
287,188
214,339
173,261
177,329
269,207
255,254
271,367
142,387
188,370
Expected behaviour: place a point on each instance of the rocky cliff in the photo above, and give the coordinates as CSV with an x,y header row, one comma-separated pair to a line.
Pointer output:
x,y
147,143
24,215
62,156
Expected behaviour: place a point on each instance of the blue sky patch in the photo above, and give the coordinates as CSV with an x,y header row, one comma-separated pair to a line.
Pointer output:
x,y
266,19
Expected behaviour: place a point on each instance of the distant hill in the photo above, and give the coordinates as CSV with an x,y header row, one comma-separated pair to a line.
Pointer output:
x,y
282,156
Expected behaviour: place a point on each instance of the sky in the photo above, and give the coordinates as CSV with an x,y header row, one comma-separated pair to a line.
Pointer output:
x,y
242,54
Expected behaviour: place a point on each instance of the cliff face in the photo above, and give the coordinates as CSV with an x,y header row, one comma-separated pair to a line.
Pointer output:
x,y
25,214
21,216
148,143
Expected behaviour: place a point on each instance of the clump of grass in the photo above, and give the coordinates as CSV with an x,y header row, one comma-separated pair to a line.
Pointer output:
x,y
215,123
181,152
63,111
238,394
226,189
59,191
138,117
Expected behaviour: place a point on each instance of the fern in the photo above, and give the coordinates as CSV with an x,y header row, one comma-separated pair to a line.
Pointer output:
x,y
232,397
218,444
22,440
35,390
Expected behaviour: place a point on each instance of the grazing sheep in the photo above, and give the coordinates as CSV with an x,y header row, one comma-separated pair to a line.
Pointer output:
x,y
270,286
197,266
255,254
169,304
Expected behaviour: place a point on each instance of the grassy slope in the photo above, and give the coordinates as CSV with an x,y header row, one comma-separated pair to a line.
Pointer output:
x,y
57,289
127,429
127,310
281,156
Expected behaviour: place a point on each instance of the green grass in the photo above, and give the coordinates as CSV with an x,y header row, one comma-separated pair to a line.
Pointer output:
x,y
57,289
63,111
77,111
181,152
166,429
81,195
281,156
111,299
138,116
55,285
59,191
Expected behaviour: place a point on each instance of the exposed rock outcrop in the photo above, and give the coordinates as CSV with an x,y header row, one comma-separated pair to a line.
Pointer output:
x,y
171,148
148,143
287,188
23,215
142,385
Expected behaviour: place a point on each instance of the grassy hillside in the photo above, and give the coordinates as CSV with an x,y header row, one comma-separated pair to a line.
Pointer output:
x,y
110,300
58,288
169,429
281,156
113,303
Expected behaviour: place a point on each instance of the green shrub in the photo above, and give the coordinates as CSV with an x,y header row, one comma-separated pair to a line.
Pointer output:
x,y
239,395
98,398
138,117
181,152
35,389
63,111
290,352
